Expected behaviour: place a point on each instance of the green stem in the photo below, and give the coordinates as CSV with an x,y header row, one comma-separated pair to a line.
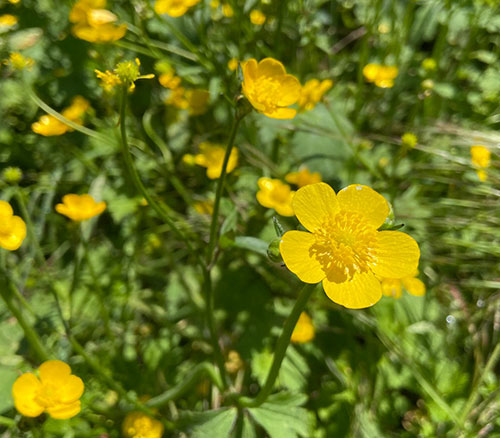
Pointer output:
x,y
281,347
8,422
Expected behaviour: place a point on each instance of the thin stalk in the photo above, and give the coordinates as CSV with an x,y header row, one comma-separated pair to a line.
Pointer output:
x,y
281,347
8,422
19,296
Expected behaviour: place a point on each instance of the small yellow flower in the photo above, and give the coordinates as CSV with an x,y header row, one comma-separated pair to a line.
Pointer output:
x,y
12,228
80,207
312,92
233,64
19,61
169,80
125,73
7,20
95,24
428,84
188,159
234,362
227,10
383,76
269,88
211,156
109,80
304,330
79,106
409,139
56,391
197,101
214,4
12,175
303,177
204,207
177,98
343,247
174,8
480,157
384,28
393,287
14,2
275,194
429,64
140,425
257,17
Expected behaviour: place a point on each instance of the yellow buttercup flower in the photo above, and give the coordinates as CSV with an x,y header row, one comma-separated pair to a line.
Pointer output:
x,y
56,391
269,88
227,10
303,177
197,101
80,207
174,8
233,64
211,156
382,75
257,17
204,207
409,139
140,425
480,157
19,62
393,287
94,23
109,80
7,20
429,64
304,330
125,73
275,194
177,98
12,228
234,362
312,92
343,247
169,80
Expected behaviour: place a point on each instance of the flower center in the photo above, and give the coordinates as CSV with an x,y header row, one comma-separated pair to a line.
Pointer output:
x,y
266,90
47,395
345,244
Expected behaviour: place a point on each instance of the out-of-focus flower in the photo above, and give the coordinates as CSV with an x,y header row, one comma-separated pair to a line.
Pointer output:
x,y
79,105
12,228
383,162
480,157
304,330
174,8
384,28
312,92
19,62
211,156
56,391
177,98
7,20
233,64
227,10
140,425
428,84
188,159
257,17
234,362
269,88
429,64
393,287
197,101
169,80
12,175
409,139
125,73
204,207
343,247
94,23
382,75
275,194
214,4
303,177
14,2
80,207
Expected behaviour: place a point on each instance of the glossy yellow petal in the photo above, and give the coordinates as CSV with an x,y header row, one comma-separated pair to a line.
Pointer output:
x,y
24,391
53,371
71,389
414,286
271,67
289,92
366,201
5,209
392,287
370,72
295,248
314,204
362,291
15,236
397,255
249,69
280,113
64,411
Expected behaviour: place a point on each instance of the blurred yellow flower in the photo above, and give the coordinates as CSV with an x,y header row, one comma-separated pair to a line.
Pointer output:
x,y
211,156
480,157
233,64
79,105
204,207
177,98
257,17
304,330
227,10
19,62
382,75
12,175
14,2
409,139
125,73
269,88
140,425
214,4
303,177
95,24
197,101
428,84
393,287
343,247
429,64
56,391
312,92
174,8
12,228
169,80
80,207
275,194
234,363
7,20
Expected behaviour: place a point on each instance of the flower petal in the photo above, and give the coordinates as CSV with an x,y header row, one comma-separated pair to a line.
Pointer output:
x,y
314,204
362,291
391,287
397,255
53,371
24,391
71,389
249,69
289,92
271,67
280,113
414,286
366,201
14,238
5,209
64,411
295,248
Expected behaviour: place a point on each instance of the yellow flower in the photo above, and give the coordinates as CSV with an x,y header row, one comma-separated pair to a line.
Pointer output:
x,y
393,287
303,177
80,207
204,207
14,2
211,156
312,92
269,88
197,101
174,8
79,105
169,80
383,76
232,64
480,157
95,24
275,194
12,175
214,4
343,247
7,20
56,391
109,80
125,73
19,61
304,330
429,64
409,139
140,425
428,84
227,10
177,98
12,228
234,362
257,17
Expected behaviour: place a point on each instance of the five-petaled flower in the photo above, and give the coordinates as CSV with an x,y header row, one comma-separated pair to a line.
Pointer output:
x,y
343,248
382,75
174,8
393,287
269,88
312,92
211,156
304,330
80,207
140,425
303,177
275,194
56,391
12,228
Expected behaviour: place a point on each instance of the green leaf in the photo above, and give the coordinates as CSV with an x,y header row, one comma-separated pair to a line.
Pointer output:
x,y
251,243
217,423
7,377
